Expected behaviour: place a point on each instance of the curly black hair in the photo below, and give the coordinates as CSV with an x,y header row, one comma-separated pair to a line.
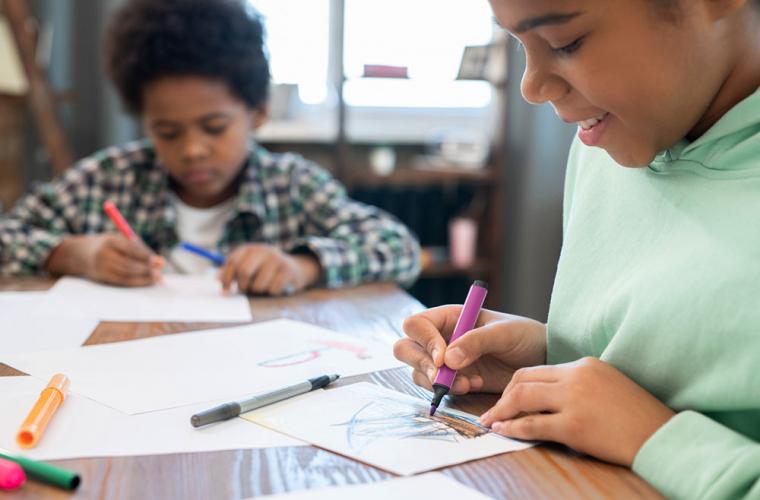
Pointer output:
x,y
218,39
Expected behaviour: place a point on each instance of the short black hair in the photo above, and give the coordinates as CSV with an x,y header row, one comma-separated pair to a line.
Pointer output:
x,y
218,39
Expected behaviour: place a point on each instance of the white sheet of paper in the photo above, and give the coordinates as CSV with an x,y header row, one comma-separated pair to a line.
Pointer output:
x,y
26,325
83,428
178,298
174,370
384,428
432,485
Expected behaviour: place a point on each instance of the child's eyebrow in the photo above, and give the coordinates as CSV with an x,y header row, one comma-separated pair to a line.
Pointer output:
x,y
544,20
213,116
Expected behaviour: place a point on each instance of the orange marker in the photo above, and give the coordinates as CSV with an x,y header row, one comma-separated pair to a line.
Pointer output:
x,y
35,423
121,223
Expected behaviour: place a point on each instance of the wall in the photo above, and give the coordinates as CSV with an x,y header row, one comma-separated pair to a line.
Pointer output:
x,y
537,144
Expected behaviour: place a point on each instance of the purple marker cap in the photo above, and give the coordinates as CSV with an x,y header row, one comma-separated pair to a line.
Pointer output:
x,y
466,322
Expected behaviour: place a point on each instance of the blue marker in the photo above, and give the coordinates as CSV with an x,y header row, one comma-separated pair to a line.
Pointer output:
x,y
212,256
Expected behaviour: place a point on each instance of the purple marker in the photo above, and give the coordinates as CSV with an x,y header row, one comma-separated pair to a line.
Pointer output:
x,y
466,322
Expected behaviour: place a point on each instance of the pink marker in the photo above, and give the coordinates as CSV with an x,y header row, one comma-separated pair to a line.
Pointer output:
x,y
466,322
11,475
119,221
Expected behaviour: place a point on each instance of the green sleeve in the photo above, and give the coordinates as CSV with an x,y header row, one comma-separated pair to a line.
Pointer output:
x,y
693,456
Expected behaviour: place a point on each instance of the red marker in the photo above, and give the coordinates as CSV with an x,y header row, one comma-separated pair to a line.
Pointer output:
x,y
121,223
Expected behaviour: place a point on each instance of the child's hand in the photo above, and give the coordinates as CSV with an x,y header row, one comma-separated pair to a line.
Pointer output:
x,y
108,258
265,269
486,357
587,405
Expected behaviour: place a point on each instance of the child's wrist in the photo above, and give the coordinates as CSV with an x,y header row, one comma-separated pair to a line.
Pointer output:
x,y
62,259
310,267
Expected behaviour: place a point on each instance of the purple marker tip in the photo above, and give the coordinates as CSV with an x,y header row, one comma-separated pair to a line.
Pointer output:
x,y
432,409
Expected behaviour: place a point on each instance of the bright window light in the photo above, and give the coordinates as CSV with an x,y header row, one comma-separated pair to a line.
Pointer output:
x,y
425,36
298,41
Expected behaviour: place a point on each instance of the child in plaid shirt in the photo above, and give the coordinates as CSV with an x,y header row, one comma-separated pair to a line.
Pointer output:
x,y
197,75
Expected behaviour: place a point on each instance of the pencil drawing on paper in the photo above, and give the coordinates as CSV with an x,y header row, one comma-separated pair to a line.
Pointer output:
x,y
401,419
305,356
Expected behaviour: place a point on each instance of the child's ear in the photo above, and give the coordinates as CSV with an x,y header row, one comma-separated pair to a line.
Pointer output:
x,y
259,115
719,9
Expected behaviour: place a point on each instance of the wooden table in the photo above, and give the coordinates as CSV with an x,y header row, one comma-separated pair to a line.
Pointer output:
x,y
547,471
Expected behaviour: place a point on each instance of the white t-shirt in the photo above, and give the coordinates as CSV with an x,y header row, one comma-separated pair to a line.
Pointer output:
x,y
202,227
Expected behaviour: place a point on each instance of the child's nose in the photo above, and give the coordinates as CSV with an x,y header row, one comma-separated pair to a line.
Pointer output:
x,y
539,85
194,148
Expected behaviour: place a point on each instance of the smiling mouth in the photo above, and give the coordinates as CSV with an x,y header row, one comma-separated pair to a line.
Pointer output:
x,y
591,122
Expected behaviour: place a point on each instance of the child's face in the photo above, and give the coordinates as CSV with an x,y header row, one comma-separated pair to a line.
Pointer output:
x,y
652,81
201,134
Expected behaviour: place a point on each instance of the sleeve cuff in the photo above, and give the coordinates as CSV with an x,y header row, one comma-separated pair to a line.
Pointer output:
x,y
693,456
341,265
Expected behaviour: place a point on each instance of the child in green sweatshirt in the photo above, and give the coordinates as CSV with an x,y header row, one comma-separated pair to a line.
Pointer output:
x,y
651,354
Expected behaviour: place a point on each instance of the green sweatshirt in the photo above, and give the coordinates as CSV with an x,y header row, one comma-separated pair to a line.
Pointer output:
x,y
659,276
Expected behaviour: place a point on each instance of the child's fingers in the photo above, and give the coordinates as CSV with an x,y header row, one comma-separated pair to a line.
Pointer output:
x,y
425,328
502,338
280,284
529,397
533,427
265,275
128,269
414,355
133,249
422,380
227,273
247,269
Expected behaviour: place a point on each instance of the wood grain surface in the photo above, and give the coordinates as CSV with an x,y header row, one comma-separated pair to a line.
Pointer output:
x,y
378,311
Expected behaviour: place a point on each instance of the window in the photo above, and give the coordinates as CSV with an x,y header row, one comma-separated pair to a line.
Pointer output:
x,y
425,38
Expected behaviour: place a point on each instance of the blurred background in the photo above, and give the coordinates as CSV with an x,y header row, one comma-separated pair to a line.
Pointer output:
x,y
414,106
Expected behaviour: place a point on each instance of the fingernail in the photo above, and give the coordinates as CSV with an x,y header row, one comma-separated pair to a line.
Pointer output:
x,y
435,354
455,356
430,373
497,426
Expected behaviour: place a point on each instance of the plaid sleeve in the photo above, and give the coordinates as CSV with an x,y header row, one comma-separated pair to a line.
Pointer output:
x,y
38,223
354,242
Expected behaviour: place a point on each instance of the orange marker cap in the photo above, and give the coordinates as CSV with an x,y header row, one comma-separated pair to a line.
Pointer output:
x,y
47,404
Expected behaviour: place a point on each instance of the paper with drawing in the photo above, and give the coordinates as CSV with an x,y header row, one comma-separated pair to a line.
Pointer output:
x,y
174,370
384,428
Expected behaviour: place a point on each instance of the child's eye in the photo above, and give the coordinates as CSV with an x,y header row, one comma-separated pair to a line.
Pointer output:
x,y
215,130
167,136
569,48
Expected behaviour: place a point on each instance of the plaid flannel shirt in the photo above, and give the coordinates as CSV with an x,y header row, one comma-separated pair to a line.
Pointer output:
x,y
283,200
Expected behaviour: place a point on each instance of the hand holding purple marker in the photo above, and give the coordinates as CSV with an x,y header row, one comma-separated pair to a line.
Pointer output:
x,y
466,322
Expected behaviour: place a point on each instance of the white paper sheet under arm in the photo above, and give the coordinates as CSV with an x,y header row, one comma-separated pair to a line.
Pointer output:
x,y
174,370
178,298
431,485
83,428
384,428
26,325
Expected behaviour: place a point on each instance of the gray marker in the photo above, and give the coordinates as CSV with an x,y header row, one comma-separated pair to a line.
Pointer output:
x,y
230,410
